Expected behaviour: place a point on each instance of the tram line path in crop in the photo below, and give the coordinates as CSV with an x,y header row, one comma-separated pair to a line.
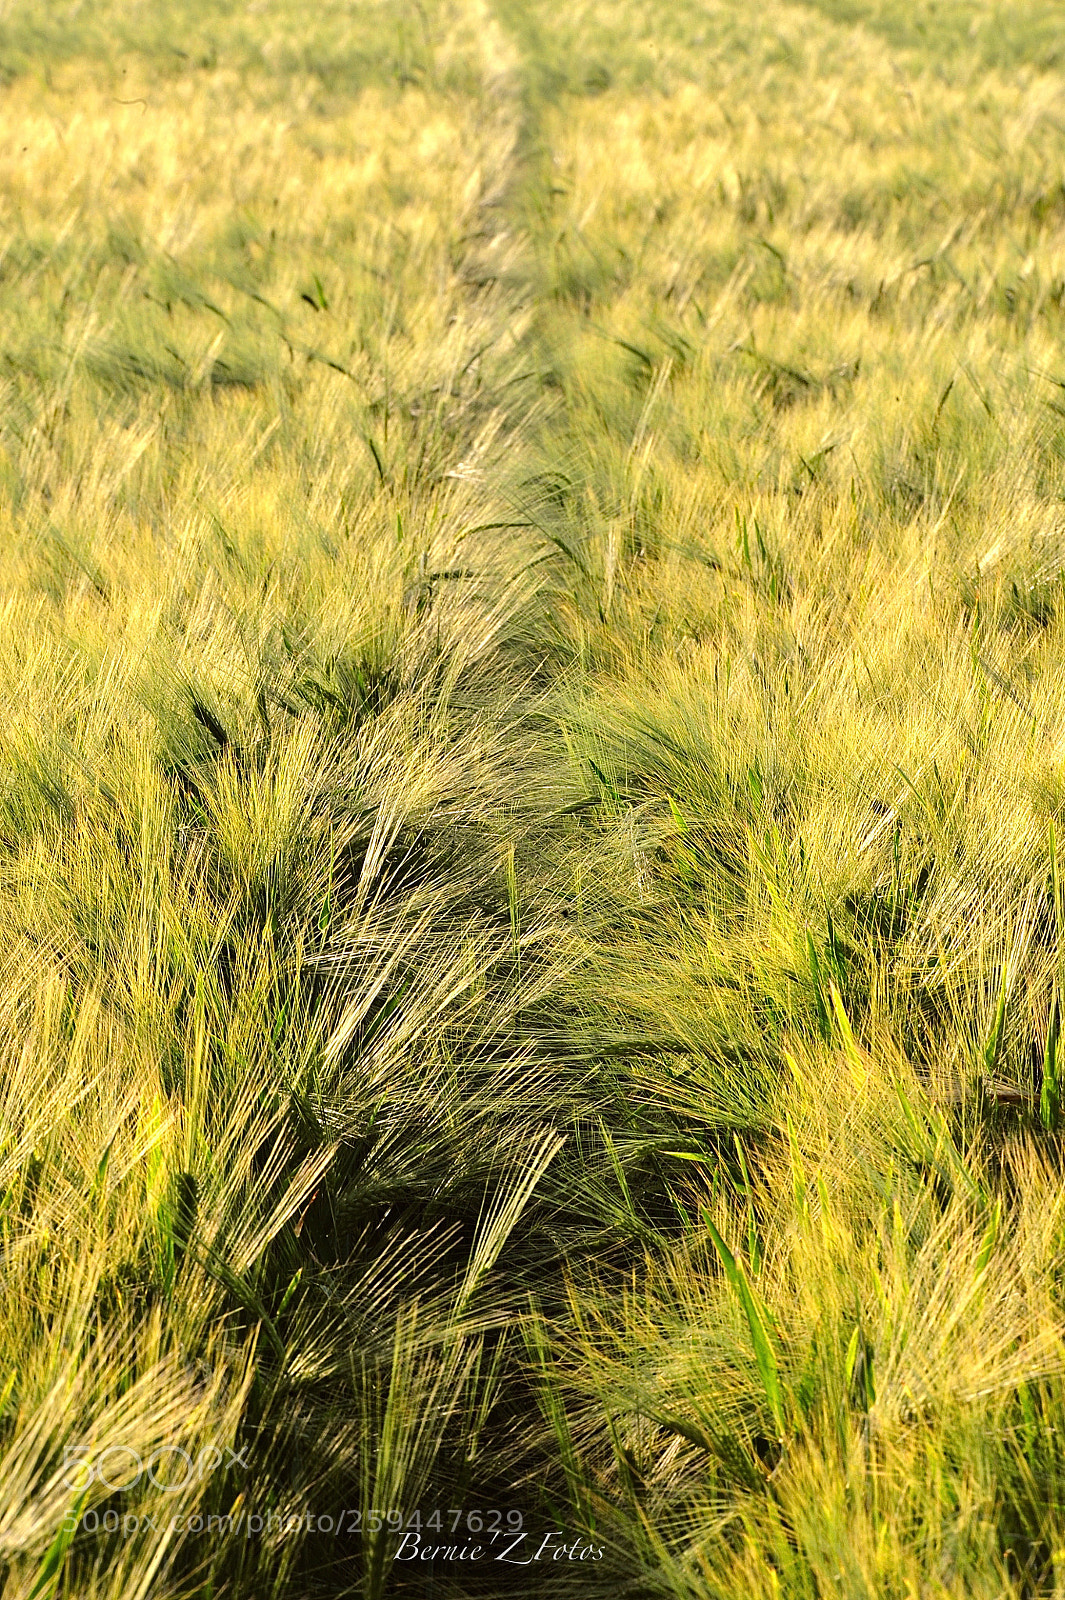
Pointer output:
x,y
532,774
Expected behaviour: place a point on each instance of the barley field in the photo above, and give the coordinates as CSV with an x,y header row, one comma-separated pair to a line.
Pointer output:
x,y
532,799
